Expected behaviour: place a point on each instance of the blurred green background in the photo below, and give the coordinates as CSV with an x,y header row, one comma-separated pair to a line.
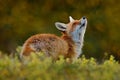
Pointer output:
x,y
20,19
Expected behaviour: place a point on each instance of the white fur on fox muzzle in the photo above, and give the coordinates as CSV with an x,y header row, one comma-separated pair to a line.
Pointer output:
x,y
83,21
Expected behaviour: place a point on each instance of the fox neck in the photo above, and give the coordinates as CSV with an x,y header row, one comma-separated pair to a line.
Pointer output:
x,y
74,46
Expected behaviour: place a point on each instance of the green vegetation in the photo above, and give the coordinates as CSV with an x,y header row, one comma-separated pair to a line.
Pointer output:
x,y
38,67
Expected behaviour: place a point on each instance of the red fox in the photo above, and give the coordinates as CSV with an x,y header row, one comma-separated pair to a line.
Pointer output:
x,y
68,45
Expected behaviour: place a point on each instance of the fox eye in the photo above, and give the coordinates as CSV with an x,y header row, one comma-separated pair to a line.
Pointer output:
x,y
76,23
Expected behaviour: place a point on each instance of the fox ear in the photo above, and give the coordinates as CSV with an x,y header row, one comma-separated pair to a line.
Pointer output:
x,y
60,26
71,19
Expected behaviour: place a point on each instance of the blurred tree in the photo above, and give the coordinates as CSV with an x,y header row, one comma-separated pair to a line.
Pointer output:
x,y
23,18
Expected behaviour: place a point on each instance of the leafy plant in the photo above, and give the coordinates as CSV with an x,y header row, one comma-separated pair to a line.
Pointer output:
x,y
41,68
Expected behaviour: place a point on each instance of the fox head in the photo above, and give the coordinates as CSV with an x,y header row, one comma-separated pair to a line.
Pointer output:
x,y
74,29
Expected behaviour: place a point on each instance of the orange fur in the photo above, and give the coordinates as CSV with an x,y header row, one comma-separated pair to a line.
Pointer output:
x,y
72,25
50,44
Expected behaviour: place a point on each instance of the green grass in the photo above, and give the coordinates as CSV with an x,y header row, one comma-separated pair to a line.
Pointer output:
x,y
40,68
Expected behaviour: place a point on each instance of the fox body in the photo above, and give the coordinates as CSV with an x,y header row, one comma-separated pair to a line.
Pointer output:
x,y
69,44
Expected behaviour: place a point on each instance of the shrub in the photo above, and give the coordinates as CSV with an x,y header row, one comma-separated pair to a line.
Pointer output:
x,y
37,67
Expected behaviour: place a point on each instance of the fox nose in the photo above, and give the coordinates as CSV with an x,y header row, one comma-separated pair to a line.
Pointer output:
x,y
84,17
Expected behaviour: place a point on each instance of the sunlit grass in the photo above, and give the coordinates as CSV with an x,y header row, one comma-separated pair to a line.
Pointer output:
x,y
41,68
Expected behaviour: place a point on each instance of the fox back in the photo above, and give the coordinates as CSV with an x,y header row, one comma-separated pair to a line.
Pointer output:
x,y
68,45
